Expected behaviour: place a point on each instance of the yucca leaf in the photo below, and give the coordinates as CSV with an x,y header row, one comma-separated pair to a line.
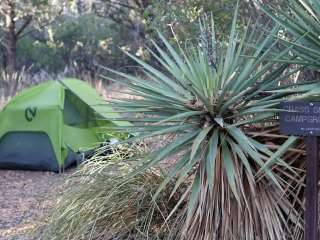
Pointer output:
x,y
195,190
184,174
173,172
199,140
180,116
211,158
277,155
231,47
229,167
243,157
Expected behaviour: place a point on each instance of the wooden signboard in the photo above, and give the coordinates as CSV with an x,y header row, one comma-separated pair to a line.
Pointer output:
x,y
300,118
303,119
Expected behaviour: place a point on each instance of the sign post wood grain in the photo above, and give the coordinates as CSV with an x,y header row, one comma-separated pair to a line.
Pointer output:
x,y
303,119
311,214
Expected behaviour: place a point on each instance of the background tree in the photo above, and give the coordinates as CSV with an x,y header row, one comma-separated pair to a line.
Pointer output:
x,y
129,13
55,36
17,18
181,16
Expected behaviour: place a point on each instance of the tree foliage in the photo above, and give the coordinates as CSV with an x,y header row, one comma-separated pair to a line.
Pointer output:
x,y
18,19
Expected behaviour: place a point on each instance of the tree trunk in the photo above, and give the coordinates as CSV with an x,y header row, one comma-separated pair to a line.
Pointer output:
x,y
10,39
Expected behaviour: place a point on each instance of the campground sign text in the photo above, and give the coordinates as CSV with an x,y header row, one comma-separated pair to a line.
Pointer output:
x,y
300,118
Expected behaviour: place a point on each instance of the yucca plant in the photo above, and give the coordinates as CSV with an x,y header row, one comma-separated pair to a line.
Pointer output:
x,y
218,111
302,20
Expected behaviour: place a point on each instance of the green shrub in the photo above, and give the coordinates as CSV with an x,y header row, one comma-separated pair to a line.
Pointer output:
x,y
38,55
85,41
182,16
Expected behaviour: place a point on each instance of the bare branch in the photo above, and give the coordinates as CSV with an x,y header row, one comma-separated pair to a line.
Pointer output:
x,y
24,26
41,26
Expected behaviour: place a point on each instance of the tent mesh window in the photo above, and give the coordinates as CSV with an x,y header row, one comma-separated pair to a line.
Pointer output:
x,y
75,112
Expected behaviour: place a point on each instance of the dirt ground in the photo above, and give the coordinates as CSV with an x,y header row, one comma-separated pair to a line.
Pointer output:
x,y
25,199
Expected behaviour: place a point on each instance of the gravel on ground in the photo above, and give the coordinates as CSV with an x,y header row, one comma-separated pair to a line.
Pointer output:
x,y
25,199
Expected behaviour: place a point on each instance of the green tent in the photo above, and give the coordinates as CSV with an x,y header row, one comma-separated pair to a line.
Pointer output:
x,y
44,127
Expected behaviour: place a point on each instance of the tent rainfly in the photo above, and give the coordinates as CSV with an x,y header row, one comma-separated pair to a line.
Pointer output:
x,y
46,126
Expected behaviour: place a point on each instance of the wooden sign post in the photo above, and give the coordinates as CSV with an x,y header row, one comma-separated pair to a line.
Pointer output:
x,y
303,119
311,214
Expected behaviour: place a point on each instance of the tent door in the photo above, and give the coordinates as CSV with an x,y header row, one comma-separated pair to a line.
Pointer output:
x,y
27,151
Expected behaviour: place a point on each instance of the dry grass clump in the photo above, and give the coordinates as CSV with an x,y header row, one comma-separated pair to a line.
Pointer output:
x,y
102,203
